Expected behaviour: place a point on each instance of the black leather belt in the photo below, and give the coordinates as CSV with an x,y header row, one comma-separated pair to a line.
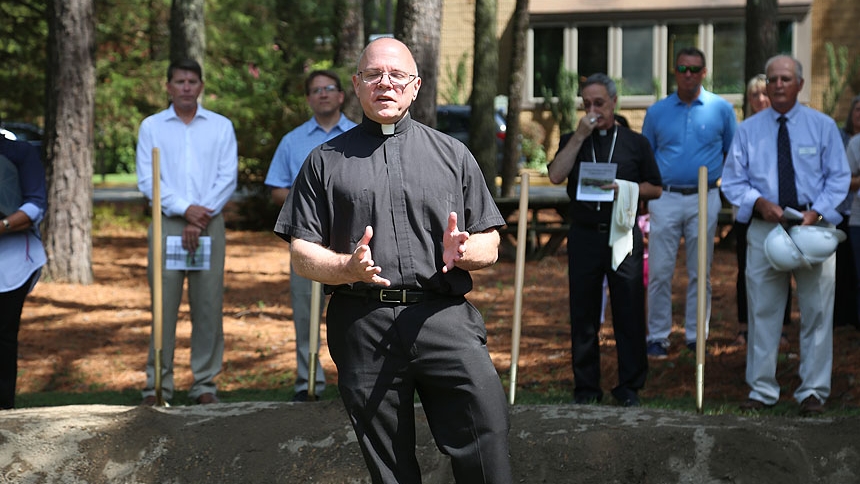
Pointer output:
x,y
686,190
392,296
599,227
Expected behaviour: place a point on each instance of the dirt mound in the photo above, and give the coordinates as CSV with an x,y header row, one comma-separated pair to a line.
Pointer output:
x,y
314,442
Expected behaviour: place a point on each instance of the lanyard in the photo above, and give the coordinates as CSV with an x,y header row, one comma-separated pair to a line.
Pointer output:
x,y
611,151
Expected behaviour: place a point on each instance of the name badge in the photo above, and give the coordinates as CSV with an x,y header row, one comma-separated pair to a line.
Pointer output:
x,y
807,150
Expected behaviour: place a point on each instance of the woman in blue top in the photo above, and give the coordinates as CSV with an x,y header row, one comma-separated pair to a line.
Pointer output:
x,y
23,200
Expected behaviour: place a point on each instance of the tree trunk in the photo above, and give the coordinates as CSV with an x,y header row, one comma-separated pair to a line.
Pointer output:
x,y
515,97
482,127
69,145
762,34
419,26
187,31
350,42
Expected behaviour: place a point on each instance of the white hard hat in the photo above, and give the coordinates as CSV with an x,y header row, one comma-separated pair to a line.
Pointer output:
x,y
781,251
816,243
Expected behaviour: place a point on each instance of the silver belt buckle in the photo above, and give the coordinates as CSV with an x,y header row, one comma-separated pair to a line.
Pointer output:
x,y
391,296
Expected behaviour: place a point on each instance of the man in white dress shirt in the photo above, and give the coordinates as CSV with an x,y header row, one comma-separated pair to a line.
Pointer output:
x,y
199,170
815,184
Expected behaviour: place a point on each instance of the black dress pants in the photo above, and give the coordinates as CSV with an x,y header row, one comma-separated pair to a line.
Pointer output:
x,y
11,305
385,353
589,260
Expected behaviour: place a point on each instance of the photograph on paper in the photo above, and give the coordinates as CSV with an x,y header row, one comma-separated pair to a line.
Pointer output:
x,y
179,259
593,176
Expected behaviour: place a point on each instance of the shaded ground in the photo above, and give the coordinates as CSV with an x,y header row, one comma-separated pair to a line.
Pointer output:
x,y
81,339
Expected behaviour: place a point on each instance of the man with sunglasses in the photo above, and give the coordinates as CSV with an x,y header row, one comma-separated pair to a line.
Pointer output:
x,y
688,129
391,216
325,98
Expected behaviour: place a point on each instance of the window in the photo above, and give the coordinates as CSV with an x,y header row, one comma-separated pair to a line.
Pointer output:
x,y
728,58
680,37
786,35
640,55
592,52
548,54
637,46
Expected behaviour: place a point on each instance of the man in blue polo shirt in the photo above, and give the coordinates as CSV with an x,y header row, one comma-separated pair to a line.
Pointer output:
x,y
688,129
325,98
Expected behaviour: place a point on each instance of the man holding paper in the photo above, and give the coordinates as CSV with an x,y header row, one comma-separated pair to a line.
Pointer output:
x,y
199,170
609,169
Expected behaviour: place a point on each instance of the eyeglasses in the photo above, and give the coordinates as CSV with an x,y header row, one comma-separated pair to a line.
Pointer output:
x,y
681,68
330,88
398,79
784,79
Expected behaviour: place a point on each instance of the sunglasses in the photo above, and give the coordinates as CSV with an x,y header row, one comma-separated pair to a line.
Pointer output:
x,y
681,68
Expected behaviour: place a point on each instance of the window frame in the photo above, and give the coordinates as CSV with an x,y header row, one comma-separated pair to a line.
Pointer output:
x,y
659,22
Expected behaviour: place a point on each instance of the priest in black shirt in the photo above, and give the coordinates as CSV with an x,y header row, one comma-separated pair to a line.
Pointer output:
x,y
391,216
600,140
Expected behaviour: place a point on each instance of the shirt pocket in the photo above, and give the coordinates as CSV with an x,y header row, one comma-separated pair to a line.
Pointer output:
x,y
353,212
437,206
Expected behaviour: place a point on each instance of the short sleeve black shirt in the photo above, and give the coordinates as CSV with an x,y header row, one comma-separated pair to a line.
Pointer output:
x,y
635,161
403,185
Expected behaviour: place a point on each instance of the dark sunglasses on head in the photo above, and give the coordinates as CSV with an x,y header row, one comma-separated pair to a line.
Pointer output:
x,y
681,68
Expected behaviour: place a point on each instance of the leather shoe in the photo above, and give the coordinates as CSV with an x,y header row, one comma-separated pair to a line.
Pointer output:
x,y
811,405
149,401
207,398
753,405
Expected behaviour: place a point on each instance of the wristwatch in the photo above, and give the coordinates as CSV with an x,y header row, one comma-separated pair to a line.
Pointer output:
x,y
5,224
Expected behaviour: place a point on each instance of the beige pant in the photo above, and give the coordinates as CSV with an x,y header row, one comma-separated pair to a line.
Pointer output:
x,y
205,296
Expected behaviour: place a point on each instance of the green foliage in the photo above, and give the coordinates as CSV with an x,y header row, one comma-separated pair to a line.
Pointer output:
x,y
841,73
257,56
23,34
563,103
656,87
456,89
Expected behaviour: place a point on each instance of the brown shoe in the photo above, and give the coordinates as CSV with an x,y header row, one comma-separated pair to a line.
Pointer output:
x,y
811,405
207,398
149,401
753,405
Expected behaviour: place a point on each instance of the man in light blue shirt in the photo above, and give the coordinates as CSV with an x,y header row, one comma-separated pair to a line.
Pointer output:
x,y
751,182
325,98
199,170
688,129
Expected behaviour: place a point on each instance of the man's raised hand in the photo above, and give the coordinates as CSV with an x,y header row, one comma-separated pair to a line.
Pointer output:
x,y
362,261
453,243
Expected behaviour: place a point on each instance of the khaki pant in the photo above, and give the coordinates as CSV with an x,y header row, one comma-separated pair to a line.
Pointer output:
x,y
205,296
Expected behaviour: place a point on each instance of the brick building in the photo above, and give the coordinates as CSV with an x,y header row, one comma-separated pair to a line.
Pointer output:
x,y
635,41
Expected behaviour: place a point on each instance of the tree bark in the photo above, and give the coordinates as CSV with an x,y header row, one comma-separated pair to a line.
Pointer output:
x,y
69,145
419,26
350,43
515,97
762,35
187,30
482,127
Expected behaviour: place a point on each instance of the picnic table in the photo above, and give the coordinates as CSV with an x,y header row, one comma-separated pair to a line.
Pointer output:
x,y
548,220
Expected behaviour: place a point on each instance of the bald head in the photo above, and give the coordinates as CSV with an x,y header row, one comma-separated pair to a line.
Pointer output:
x,y
387,80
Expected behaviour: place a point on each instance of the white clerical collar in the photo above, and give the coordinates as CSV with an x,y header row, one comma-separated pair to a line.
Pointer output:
x,y
387,129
